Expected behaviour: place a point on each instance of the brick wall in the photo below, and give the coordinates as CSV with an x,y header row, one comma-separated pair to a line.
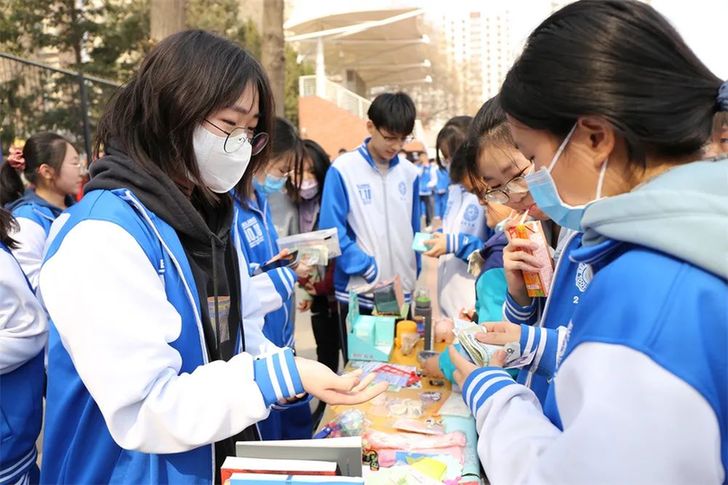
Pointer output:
x,y
329,125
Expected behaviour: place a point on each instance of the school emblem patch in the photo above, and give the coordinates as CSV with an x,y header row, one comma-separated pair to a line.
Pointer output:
x,y
583,276
471,213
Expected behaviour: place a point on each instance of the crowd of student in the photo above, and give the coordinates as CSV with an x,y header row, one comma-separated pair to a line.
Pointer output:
x,y
166,337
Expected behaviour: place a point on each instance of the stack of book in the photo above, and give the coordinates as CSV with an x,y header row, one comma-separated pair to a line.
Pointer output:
x,y
331,461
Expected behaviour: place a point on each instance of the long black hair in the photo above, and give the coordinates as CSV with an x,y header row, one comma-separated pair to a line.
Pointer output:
x,y
7,224
320,159
44,148
185,78
623,61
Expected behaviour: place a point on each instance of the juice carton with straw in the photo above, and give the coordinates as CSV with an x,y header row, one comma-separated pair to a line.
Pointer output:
x,y
537,284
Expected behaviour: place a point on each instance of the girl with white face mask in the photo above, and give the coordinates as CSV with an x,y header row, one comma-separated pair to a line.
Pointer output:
x,y
164,362
615,123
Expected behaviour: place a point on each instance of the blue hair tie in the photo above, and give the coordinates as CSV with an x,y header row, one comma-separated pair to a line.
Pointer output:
x,y
723,97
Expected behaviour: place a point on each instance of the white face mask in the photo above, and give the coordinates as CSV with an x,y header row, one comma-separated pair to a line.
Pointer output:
x,y
219,170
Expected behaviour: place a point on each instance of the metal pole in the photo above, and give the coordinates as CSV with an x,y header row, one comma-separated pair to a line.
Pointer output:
x,y
84,117
320,69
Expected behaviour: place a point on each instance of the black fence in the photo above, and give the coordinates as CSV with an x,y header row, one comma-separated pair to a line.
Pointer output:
x,y
36,97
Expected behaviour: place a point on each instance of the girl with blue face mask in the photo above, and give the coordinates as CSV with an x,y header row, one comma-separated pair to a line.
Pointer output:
x,y
615,123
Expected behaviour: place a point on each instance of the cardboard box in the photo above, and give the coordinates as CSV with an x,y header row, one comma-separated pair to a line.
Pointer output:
x,y
369,337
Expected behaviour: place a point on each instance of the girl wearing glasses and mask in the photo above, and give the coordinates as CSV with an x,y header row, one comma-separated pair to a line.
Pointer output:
x,y
274,284
163,365
50,164
498,171
615,124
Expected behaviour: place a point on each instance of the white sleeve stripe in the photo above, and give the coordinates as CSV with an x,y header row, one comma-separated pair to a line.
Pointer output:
x,y
287,375
273,378
529,340
517,311
485,387
541,346
476,382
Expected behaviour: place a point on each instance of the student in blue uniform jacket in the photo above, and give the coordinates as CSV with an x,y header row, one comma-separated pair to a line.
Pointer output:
x,y
254,225
23,335
51,165
639,388
157,362
498,162
370,196
449,139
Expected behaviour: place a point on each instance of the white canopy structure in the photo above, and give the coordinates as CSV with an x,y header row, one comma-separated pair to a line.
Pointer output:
x,y
367,48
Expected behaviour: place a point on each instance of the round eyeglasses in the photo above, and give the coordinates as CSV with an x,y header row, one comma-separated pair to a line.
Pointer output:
x,y
517,186
240,135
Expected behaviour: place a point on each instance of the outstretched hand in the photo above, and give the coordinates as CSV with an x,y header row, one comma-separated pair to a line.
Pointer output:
x,y
319,381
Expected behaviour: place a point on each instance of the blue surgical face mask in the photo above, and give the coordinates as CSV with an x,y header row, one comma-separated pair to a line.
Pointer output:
x,y
546,196
271,184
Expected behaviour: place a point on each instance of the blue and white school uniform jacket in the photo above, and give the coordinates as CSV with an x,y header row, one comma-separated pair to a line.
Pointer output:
x,y
23,335
426,184
255,230
466,231
34,216
131,395
640,394
571,279
376,216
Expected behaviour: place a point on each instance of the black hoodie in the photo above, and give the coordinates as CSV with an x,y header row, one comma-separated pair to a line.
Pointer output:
x,y
204,231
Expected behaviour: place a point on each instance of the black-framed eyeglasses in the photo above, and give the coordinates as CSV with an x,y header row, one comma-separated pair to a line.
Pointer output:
x,y
396,139
516,185
239,135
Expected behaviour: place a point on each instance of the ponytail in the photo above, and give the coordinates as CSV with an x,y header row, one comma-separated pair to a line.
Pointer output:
x,y
11,186
7,223
42,148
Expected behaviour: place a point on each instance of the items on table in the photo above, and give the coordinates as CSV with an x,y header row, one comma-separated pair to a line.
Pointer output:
x,y
407,336
349,423
389,297
397,376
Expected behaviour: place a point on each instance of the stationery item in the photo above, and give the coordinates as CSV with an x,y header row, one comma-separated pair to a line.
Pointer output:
x,y
369,337
417,426
408,441
539,283
455,406
349,423
418,241
346,452
325,238
389,297
268,479
280,260
236,464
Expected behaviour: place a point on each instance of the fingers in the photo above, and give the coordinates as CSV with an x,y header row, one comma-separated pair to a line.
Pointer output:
x,y
498,359
333,397
364,383
495,326
494,338
460,362
515,245
429,243
459,379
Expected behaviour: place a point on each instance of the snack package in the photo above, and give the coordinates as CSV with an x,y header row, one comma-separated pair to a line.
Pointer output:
x,y
537,284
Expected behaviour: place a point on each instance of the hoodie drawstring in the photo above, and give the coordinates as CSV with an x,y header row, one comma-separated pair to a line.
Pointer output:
x,y
215,291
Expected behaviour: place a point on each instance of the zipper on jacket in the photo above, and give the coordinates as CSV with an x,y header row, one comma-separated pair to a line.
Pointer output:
x,y
161,270
386,220
544,313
